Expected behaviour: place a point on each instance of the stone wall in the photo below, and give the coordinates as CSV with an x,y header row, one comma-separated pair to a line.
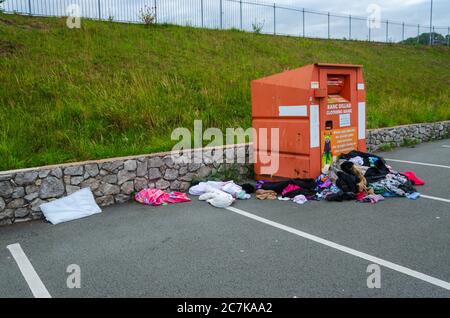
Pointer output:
x,y
400,135
112,181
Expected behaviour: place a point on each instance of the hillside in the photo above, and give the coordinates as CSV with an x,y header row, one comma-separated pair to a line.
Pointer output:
x,y
112,89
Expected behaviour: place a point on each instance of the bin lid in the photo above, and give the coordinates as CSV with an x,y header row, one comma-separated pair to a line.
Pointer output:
x,y
338,65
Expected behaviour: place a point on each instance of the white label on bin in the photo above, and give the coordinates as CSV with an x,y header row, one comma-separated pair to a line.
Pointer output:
x,y
361,120
345,120
293,111
314,85
361,86
314,126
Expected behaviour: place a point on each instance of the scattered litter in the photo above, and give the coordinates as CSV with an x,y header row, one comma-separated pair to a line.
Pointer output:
x,y
266,195
413,178
300,199
78,205
157,197
413,196
217,198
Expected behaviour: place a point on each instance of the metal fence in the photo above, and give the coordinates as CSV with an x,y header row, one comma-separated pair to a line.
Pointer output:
x,y
243,15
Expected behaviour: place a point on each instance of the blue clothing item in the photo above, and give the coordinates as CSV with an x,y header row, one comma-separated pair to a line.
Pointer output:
x,y
413,196
373,161
390,195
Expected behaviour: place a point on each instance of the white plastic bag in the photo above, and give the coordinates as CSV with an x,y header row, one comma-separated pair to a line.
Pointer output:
x,y
78,205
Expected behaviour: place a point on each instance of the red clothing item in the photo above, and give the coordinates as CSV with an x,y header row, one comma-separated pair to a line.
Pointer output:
x,y
413,178
290,188
360,196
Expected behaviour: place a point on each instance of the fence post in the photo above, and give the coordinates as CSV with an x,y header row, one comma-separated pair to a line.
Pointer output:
x,y
432,36
99,10
350,27
274,19
221,18
403,32
328,25
156,12
418,34
201,10
240,14
303,22
29,7
387,31
370,31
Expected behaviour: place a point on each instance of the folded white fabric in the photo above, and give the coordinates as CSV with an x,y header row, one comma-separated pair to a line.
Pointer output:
x,y
78,205
232,188
199,189
217,198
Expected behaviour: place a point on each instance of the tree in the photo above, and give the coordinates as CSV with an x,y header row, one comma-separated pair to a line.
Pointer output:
x,y
424,38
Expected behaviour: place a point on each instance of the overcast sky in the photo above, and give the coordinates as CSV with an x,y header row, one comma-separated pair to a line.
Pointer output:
x,y
290,22
413,11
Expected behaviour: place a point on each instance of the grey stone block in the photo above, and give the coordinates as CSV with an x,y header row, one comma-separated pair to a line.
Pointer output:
x,y
30,197
19,192
154,174
57,172
109,189
21,213
72,189
140,184
51,187
142,168
122,198
155,162
127,187
15,204
92,170
26,178
74,171
112,166
162,184
130,165
76,180
6,189
105,200
171,174
124,176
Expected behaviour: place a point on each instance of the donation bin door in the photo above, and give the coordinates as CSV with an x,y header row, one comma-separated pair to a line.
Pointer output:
x,y
338,113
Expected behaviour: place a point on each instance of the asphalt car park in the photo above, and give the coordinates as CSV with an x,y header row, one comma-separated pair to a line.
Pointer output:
x,y
253,249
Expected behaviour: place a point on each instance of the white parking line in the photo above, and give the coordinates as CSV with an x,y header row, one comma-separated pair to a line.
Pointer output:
x,y
445,146
419,163
370,258
31,277
434,198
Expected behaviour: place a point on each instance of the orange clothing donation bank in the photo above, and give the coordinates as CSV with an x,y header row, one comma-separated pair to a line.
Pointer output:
x,y
319,112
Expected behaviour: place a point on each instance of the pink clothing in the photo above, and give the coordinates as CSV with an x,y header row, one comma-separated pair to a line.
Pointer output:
x,y
290,188
158,197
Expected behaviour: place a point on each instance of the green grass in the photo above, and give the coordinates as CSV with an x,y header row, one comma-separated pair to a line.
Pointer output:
x,y
112,89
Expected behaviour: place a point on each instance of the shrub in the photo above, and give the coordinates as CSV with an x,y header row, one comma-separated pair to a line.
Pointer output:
x,y
257,26
147,15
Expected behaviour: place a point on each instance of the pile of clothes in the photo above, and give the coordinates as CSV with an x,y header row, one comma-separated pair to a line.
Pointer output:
x,y
296,190
366,178
359,176
221,194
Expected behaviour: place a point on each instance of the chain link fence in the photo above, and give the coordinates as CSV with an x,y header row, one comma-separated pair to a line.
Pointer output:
x,y
250,16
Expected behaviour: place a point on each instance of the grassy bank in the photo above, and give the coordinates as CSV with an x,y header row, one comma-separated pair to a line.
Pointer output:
x,y
112,89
